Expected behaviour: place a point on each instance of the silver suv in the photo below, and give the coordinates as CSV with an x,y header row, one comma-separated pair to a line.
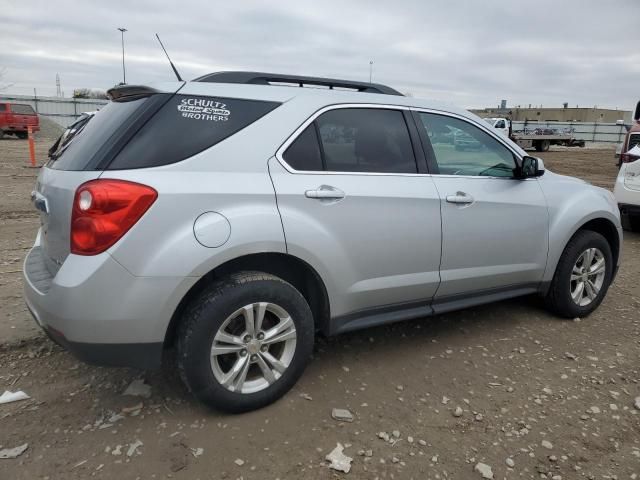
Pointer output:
x,y
234,216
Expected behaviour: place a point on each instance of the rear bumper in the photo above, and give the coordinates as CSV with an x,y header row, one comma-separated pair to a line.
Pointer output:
x,y
147,356
99,311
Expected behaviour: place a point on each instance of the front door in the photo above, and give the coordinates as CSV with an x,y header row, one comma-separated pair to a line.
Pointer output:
x,y
494,227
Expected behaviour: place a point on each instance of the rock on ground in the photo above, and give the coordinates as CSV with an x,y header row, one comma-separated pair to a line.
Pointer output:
x,y
339,461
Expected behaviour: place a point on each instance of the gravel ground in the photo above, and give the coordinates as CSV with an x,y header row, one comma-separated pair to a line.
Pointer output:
x,y
505,387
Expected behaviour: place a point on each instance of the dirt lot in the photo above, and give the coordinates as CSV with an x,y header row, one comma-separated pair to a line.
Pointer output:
x,y
551,398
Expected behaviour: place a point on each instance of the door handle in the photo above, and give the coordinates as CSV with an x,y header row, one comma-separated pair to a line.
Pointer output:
x,y
325,192
460,198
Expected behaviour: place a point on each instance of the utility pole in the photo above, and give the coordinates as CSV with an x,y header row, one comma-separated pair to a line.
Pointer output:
x,y
370,70
124,74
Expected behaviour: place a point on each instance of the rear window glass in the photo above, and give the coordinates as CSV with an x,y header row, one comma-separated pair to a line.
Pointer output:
x,y
3,107
22,109
78,153
185,126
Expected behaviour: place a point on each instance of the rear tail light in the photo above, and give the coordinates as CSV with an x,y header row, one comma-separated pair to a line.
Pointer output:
x,y
104,210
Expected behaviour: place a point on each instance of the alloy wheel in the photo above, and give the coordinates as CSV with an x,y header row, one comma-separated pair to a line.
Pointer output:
x,y
253,347
587,276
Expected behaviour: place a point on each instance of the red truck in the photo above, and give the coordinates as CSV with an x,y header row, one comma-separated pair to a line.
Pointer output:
x,y
15,118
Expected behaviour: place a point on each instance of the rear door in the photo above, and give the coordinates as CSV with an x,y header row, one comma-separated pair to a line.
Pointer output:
x,y
494,227
355,205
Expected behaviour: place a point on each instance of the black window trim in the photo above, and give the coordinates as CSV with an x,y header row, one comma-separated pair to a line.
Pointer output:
x,y
404,109
430,155
426,154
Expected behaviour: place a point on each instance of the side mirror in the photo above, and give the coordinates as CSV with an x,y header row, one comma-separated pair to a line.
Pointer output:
x,y
529,167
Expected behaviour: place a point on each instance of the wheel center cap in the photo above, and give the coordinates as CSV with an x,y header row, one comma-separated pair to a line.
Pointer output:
x,y
253,346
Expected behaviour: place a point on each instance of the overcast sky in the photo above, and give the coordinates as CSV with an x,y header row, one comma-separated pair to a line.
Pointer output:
x,y
472,53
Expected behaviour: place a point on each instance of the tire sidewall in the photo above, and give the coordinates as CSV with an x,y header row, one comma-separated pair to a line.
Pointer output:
x,y
208,316
577,246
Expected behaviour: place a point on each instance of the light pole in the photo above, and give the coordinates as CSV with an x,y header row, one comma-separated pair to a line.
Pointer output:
x,y
370,70
124,74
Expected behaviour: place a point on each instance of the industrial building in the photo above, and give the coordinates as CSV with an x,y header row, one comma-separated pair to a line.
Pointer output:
x,y
563,114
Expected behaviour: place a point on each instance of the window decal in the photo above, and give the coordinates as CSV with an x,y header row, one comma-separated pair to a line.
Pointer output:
x,y
203,109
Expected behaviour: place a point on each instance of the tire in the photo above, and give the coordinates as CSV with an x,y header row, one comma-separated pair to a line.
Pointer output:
x,y
22,135
204,321
542,145
1,134
559,298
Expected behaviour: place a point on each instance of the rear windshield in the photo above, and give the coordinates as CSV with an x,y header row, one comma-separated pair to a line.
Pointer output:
x,y
84,144
22,109
185,126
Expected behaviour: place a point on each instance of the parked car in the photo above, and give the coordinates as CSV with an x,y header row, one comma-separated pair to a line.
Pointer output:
x,y
16,118
229,219
627,188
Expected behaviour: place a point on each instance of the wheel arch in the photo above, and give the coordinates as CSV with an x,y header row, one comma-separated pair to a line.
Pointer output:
x,y
292,269
599,224
608,230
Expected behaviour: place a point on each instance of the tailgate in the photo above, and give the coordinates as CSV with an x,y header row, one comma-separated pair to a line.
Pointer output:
x,y
80,155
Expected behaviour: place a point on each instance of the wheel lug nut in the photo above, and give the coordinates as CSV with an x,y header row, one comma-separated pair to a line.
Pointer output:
x,y
254,357
247,338
243,353
261,336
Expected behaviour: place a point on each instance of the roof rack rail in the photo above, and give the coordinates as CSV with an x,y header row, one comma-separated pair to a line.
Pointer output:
x,y
261,78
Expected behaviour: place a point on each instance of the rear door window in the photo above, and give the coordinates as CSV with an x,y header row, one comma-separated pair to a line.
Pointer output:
x,y
185,126
22,109
304,153
366,140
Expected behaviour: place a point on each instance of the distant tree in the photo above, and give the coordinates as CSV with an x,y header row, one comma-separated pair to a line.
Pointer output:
x,y
89,93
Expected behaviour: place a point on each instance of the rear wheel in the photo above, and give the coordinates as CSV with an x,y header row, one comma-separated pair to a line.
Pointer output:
x,y
245,341
582,276
1,134
542,145
22,135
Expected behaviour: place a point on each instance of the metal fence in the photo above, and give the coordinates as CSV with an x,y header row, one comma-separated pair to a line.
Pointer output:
x,y
63,111
592,132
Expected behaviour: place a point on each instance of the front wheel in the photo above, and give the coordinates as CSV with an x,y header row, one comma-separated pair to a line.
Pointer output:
x,y
582,276
245,341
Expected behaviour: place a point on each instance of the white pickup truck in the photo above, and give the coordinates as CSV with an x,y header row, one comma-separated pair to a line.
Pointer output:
x,y
539,138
